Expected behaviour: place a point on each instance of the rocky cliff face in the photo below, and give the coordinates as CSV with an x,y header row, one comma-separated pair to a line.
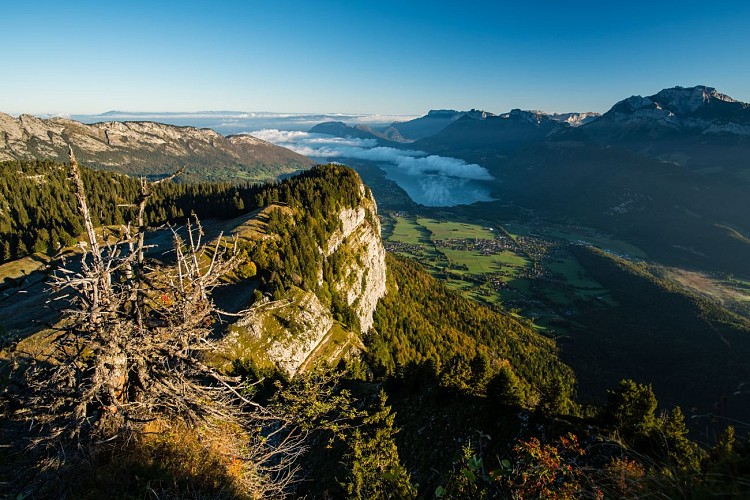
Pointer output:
x,y
299,330
146,148
281,333
363,268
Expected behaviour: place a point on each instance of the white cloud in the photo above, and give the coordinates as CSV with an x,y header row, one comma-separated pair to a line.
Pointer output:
x,y
413,162
441,165
279,137
384,118
431,180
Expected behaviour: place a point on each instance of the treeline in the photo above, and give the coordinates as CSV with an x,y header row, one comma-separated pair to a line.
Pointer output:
x,y
38,214
38,211
321,191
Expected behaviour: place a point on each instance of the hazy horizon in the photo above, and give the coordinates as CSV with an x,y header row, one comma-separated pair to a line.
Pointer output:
x,y
235,122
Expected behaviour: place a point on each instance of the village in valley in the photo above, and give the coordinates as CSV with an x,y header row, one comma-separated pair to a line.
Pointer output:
x,y
527,267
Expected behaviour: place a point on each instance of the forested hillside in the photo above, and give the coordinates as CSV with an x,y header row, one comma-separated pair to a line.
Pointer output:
x,y
38,209
420,322
691,349
440,397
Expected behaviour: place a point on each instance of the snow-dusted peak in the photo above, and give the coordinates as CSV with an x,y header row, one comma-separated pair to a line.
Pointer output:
x,y
574,119
531,116
478,114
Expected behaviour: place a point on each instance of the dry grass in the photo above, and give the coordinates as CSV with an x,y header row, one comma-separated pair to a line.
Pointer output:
x,y
19,268
710,288
253,226
171,460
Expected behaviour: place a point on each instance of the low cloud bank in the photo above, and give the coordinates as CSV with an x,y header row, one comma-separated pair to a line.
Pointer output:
x,y
442,165
232,122
409,162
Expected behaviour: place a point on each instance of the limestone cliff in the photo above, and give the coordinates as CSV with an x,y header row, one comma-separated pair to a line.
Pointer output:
x,y
299,329
363,265
146,148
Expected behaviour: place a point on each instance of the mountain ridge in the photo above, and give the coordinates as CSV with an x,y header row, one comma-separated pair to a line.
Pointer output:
x,y
341,129
146,148
700,109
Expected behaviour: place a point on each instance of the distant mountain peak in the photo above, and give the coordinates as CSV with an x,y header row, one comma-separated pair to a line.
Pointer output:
x,y
574,119
537,117
358,131
677,100
433,122
478,114
699,108
441,112
532,116
686,100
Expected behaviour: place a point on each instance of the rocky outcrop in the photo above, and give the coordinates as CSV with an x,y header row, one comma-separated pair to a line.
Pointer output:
x,y
145,148
284,333
299,330
362,273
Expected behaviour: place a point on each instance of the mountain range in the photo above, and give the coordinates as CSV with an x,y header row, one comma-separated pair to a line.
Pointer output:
x,y
147,148
670,113
668,172
435,121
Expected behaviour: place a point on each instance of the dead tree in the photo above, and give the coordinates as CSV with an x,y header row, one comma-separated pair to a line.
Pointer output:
x,y
129,350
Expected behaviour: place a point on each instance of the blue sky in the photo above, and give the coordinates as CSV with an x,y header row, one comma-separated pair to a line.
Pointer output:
x,y
390,57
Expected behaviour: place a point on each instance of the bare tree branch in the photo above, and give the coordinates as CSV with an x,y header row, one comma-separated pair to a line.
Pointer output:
x,y
129,351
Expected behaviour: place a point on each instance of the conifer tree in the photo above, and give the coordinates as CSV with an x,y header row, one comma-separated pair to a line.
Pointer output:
x,y
630,409
505,388
678,448
555,398
376,471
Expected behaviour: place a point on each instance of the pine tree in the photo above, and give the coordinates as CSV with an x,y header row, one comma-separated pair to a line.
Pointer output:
x,y
5,252
680,450
630,409
21,250
555,398
505,388
376,471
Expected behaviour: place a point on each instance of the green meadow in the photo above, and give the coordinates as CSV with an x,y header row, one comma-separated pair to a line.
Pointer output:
x,y
445,230
506,277
515,230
